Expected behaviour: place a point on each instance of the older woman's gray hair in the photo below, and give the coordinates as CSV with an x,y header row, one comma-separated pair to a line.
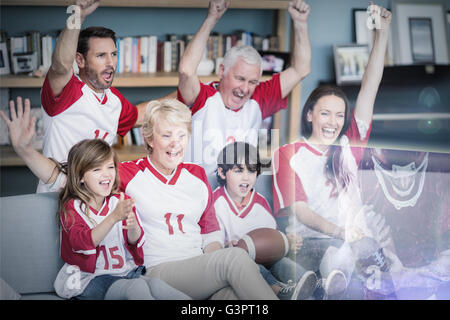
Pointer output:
x,y
171,110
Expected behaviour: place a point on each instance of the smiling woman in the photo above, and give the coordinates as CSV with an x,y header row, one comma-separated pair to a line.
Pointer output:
x,y
166,131
313,176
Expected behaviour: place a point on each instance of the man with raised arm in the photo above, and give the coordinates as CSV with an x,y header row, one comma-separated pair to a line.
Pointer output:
x,y
233,108
77,107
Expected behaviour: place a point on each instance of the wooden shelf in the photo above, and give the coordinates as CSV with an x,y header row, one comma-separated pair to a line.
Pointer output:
x,y
123,80
9,158
242,4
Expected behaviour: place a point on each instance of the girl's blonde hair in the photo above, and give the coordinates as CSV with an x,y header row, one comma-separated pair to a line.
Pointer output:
x,y
171,110
84,156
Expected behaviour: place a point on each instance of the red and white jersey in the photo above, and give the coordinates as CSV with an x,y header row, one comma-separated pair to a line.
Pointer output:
x,y
214,125
173,210
114,255
299,175
77,114
235,223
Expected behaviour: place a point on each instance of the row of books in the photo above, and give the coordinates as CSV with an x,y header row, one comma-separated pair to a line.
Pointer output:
x,y
148,54
33,44
133,137
138,54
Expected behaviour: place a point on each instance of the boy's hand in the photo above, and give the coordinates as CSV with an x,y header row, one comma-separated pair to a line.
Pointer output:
x,y
231,244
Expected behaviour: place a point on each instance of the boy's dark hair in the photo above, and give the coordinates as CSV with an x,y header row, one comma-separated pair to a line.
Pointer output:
x,y
93,32
235,154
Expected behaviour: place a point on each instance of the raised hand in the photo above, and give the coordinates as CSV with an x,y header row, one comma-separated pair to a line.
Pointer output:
x,y
217,8
87,7
299,11
381,16
21,127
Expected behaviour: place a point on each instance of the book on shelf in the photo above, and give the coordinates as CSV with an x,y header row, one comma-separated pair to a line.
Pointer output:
x,y
144,53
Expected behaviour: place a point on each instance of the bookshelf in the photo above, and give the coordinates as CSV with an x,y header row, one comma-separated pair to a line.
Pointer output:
x,y
122,80
242,4
288,132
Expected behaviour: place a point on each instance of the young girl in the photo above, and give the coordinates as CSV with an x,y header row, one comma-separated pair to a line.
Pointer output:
x,y
307,179
240,209
101,238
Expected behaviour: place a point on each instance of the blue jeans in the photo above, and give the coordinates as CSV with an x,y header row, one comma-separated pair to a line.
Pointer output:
x,y
96,289
312,251
283,270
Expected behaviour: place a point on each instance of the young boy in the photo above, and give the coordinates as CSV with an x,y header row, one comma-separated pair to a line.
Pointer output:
x,y
240,209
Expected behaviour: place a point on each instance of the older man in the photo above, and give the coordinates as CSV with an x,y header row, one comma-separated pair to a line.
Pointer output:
x,y
234,108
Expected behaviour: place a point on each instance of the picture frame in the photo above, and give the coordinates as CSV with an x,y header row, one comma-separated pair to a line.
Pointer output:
x,y
350,61
448,27
274,61
363,35
422,40
4,59
402,11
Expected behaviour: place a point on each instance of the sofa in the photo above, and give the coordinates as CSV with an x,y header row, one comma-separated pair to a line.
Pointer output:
x,y
29,246
30,241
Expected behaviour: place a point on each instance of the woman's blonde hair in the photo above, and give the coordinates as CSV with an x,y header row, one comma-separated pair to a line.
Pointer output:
x,y
84,156
171,110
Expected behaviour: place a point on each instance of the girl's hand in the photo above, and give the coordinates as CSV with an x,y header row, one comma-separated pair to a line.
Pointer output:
x,y
123,208
131,222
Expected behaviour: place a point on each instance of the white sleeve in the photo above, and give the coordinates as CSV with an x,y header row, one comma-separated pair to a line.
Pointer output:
x,y
215,236
59,183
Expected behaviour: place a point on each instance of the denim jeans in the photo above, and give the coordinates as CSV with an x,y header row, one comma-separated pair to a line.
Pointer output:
x,y
283,270
312,251
96,289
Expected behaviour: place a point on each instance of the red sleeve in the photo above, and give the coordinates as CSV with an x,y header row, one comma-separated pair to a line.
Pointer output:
x,y
77,247
268,95
128,115
287,187
127,171
206,91
78,231
260,199
55,105
358,146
